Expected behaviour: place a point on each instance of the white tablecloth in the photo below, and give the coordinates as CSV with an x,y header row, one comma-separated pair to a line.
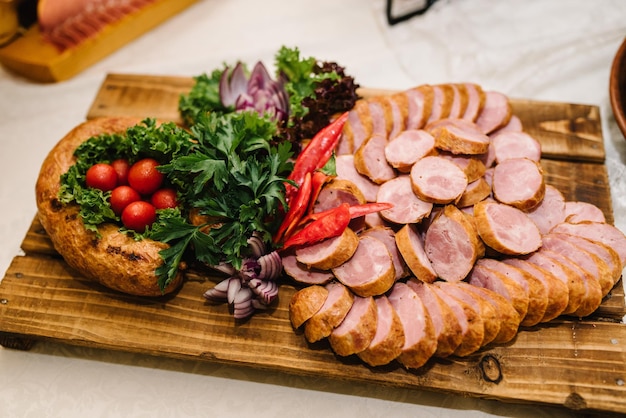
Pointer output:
x,y
556,50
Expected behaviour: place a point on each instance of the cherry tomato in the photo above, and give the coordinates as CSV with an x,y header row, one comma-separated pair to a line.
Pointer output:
x,y
164,198
121,167
144,177
101,176
138,215
121,197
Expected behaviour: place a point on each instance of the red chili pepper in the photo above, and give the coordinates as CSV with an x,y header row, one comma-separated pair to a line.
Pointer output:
x,y
355,210
297,209
331,224
367,208
317,182
317,153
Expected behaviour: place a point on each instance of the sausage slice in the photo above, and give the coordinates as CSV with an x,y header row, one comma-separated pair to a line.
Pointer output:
x,y
419,335
389,337
357,329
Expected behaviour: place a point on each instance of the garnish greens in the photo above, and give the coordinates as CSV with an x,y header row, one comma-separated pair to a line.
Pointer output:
x,y
144,140
317,90
225,170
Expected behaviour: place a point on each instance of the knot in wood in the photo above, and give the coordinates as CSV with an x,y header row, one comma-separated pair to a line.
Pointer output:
x,y
490,369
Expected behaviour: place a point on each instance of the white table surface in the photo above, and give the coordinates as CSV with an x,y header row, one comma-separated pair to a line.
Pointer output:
x,y
555,50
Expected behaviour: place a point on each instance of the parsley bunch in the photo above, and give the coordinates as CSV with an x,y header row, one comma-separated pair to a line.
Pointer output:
x,y
234,177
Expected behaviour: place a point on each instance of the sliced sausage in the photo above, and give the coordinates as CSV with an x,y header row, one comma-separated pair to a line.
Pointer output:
x,y
346,170
407,207
472,166
411,247
514,125
502,285
576,212
550,212
558,292
329,253
356,129
382,119
370,161
420,100
496,112
442,102
475,192
389,337
330,315
591,263
419,335
370,270
490,319
452,244
507,315
472,324
537,291
409,146
305,303
506,229
388,237
575,285
592,291
476,98
356,331
459,136
438,180
601,232
447,329
303,274
519,182
512,144
336,192
604,252
399,112
461,100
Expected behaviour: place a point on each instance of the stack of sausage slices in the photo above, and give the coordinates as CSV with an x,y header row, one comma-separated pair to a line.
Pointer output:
x,y
475,246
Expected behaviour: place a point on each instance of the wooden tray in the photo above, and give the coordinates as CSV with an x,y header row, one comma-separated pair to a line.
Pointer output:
x,y
32,57
579,364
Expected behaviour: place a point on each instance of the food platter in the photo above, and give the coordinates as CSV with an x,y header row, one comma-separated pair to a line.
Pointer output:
x,y
579,364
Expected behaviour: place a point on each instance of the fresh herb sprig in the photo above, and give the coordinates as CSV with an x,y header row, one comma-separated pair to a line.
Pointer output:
x,y
235,178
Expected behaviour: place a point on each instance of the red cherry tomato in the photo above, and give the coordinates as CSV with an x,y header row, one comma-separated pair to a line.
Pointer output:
x,y
138,215
144,177
164,198
121,167
121,197
101,176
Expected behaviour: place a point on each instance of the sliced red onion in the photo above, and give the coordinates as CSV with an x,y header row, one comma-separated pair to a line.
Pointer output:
x,y
267,293
256,244
225,268
271,266
244,294
243,310
219,292
232,85
234,285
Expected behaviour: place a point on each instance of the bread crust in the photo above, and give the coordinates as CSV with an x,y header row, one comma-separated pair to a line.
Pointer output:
x,y
113,259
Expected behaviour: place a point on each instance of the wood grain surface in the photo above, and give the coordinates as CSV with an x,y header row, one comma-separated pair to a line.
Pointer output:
x,y
578,364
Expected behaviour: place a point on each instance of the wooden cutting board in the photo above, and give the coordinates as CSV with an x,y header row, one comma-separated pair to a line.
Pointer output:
x,y
578,364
